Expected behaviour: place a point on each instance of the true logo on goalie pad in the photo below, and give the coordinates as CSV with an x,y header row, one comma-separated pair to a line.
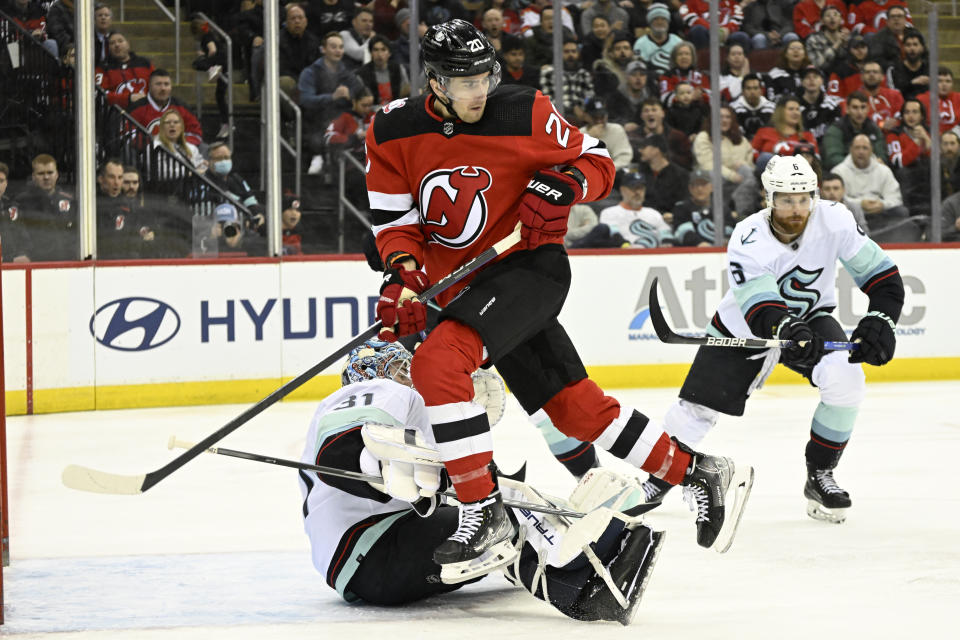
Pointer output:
x,y
538,525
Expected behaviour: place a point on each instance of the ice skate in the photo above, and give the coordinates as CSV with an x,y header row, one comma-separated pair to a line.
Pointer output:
x,y
628,573
825,500
654,489
481,543
717,490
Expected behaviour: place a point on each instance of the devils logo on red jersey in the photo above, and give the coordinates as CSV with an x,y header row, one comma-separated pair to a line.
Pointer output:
x,y
452,206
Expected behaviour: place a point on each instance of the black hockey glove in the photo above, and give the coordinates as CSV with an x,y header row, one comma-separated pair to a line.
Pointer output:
x,y
877,338
805,355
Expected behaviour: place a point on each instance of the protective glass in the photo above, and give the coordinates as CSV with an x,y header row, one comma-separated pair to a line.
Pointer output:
x,y
468,88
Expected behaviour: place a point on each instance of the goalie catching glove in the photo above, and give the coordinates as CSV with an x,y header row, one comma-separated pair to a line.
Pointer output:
x,y
545,207
876,334
398,308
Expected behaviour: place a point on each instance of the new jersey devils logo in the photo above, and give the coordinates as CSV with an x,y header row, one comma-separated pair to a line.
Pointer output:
x,y
452,203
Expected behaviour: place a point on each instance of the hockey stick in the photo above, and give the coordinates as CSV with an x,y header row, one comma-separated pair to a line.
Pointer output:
x,y
667,335
354,475
87,479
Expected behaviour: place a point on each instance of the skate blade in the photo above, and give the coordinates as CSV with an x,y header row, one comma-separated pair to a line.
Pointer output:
x,y
500,554
631,611
739,489
819,512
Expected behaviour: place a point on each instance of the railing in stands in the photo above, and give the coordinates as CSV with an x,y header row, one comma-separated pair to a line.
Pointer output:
x,y
228,75
345,158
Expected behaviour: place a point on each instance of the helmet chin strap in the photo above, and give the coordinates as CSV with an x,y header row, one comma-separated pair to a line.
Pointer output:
x,y
442,97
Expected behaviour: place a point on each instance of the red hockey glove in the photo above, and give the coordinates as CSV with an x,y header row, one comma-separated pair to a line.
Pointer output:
x,y
401,313
545,207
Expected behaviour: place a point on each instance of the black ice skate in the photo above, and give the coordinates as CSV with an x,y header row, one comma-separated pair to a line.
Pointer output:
x,y
616,595
825,500
480,544
654,489
717,490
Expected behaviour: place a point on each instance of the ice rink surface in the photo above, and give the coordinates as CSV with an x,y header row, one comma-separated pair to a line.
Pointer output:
x,y
217,550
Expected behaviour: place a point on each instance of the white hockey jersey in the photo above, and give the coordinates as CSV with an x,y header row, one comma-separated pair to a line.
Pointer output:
x,y
331,513
802,275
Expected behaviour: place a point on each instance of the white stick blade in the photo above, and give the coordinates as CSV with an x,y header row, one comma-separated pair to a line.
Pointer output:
x,y
87,479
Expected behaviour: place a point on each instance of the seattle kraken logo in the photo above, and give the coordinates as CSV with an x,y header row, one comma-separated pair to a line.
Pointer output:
x,y
795,288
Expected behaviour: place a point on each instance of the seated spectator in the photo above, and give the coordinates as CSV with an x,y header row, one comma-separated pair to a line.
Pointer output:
x,y
683,68
385,17
170,135
845,73
233,237
530,17
696,18
147,111
355,39
950,225
221,173
493,27
515,69
48,215
656,46
884,103
512,23
610,11
685,114
752,107
807,14
640,226
117,233
386,79
125,75
581,221
787,77
60,21
839,135
348,130
653,122
886,45
29,15
297,50
613,135
212,58
831,188
11,229
784,132
736,156
871,16
693,215
819,109
911,75
949,111
733,72
595,41
162,223
577,83
539,40
829,44
292,238
326,89
666,181
769,23
949,163
871,183
909,142
324,16
624,107
610,71
102,28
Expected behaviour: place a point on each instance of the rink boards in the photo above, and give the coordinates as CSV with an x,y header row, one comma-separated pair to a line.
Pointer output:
x,y
118,335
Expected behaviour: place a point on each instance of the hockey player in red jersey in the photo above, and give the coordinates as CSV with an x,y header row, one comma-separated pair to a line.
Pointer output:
x,y
448,175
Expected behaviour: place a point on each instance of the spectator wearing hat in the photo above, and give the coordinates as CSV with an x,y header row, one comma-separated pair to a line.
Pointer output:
x,y
666,181
819,109
652,121
845,73
515,69
769,23
885,103
840,134
577,82
736,157
401,45
786,77
641,226
610,71
292,240
613,135
623,107
736,67
693,215
807,13
657,45
828,44
752,107
911,75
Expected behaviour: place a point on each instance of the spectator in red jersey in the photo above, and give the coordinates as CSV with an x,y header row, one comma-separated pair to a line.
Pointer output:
x,y
784,132
126,75
348,130
908,154
147,111
885,102
845,73
871,16
683,68
386,79
30,15
806,15
949,110
290,219
696,18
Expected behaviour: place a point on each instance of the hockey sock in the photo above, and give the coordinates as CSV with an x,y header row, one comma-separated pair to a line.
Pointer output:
x,y
578,457
822,453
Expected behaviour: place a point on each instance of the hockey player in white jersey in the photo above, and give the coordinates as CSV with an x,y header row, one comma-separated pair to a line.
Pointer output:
x,y
374,542
781,265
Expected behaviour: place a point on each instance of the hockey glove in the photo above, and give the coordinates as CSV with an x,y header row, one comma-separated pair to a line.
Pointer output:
x,y
805,355
400,311
877,337
545,207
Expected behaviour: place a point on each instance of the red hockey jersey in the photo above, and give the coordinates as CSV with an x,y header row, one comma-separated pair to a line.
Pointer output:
x,y
444,190
769,139
871,16
902,151
697,12
124,79
147,113
806,16
949,109
886,104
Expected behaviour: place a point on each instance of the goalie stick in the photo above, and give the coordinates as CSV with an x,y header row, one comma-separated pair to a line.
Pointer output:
x,y
87,479
669,336
354,475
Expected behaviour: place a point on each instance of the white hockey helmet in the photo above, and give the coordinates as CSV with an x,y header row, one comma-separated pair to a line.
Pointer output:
x,y
790,174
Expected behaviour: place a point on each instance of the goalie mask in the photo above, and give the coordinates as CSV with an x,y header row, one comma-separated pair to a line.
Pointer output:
x,y
377,359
